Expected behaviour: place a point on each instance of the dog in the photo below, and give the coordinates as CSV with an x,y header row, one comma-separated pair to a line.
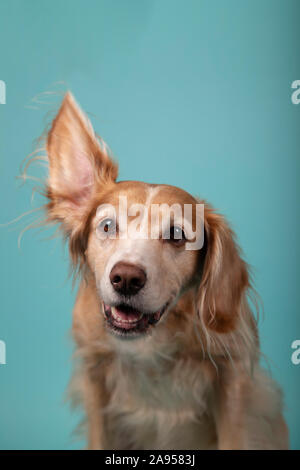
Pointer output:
x,y
167,343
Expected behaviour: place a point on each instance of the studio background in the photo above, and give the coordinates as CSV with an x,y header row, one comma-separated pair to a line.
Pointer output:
x,y
195,94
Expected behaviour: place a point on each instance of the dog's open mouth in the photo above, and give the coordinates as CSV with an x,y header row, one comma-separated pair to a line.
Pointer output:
x,y
125,320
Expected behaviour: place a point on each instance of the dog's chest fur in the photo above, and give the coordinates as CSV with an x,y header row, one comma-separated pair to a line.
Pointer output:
x,y
162,403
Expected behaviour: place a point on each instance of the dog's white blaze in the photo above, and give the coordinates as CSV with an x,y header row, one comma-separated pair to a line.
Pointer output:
x,y
142,252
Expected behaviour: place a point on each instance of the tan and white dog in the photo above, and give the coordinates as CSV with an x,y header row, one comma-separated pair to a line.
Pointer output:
x,y
168,345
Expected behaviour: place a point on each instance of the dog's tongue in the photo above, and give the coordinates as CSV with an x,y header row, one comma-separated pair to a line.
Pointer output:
x,y
128,315
128,318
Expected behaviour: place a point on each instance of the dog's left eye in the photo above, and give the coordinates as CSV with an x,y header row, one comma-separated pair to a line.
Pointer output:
x,y
177,235
107,227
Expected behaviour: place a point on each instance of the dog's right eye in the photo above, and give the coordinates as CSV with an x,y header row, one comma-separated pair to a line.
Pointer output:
x,y
107,227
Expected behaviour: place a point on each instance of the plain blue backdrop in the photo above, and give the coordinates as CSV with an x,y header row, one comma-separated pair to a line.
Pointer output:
x,y
191,93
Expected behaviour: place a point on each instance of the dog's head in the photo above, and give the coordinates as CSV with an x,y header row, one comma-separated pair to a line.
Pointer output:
x,y
143,244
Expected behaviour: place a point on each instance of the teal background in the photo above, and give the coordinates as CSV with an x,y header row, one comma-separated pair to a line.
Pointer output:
x,y
195,94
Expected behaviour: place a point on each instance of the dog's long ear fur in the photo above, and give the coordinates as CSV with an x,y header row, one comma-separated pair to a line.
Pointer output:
x,y
79,168
225,276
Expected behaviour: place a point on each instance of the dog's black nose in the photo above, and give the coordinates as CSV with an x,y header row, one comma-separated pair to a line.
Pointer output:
x,y
127,279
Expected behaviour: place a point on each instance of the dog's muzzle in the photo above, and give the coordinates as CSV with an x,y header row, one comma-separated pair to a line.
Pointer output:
x,y
126,321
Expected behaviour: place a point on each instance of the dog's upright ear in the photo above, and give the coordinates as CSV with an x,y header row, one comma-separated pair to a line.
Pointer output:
x,y
79,170
225,276
79,166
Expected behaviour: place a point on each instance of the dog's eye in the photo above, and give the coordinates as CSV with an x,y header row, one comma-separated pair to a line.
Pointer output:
x,y
107,227
177,235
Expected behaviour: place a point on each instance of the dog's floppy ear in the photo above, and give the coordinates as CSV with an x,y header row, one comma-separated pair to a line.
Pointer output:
x,y
79,166
225,276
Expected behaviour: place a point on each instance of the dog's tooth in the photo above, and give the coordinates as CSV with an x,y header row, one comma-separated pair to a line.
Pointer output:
x,y
114,313
157,316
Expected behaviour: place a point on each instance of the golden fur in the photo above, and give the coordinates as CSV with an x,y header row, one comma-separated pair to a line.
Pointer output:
x,y
195,381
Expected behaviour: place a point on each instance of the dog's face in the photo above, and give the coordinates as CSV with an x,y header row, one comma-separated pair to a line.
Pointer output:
x,y
140,261
143,255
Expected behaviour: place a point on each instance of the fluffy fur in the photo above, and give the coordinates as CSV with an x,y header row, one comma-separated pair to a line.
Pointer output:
x,y
193,382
